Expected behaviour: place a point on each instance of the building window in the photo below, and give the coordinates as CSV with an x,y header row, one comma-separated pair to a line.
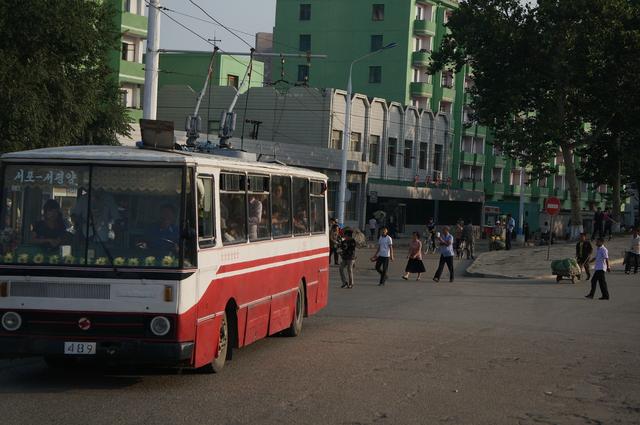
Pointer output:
x,y
376,42
447,79
305,12
124,98
305,43
445,107
437,158
303,73
377,12
422,156
496,176
128,52
356,142
470,173
514,178
559,182
375,74
408,150
232,80
374,146
336,139
391,154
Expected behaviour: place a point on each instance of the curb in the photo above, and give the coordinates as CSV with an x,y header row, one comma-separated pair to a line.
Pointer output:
x,y
482,275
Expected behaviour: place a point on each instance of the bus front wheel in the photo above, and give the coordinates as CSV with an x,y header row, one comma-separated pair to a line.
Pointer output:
x,y
223,346
296,326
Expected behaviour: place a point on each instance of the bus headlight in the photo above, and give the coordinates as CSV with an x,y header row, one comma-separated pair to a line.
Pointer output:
x,y
160,326
11,321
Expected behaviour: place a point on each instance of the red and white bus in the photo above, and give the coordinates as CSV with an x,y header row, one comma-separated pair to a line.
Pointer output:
x,y
161,257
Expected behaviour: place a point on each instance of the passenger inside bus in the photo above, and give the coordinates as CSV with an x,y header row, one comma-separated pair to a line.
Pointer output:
x,y
51,231
163,236
280,212
300,222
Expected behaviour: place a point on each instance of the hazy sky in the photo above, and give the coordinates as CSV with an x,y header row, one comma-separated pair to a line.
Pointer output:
x,y
249,16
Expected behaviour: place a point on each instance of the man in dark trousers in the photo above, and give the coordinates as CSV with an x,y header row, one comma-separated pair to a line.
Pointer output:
x,y
445,242
511,225
348,254
602,266
598,223
583,253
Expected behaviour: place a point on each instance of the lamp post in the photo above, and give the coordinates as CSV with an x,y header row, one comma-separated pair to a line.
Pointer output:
x,y
346,136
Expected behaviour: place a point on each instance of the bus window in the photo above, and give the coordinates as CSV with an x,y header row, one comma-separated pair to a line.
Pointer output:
x,y
300,206
316,201
258,217
233,208
206,232
280,206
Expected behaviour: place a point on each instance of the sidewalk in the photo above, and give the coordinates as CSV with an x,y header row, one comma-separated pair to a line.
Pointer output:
x,y
532,263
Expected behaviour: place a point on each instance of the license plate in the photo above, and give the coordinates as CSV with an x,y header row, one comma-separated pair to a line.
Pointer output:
x,y
80,348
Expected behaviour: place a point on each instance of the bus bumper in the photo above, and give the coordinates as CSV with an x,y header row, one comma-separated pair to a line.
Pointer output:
x,y
116,351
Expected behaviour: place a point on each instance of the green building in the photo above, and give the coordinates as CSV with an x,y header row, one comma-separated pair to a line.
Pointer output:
x,y
190,68
346,30
127,62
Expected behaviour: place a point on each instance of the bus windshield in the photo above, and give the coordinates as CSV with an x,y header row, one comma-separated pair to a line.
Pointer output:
x,y
91,215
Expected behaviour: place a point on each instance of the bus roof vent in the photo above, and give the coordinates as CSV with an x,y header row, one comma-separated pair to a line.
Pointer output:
x,y
157,134
210,148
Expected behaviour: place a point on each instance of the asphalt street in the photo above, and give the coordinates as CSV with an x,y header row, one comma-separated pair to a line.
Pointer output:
x,y
476,351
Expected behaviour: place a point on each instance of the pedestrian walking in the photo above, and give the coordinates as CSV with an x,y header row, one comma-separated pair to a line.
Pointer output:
x,y
431,236
373,225
414,262
445,241
348,259
608,221
602,266
457,238
383,255
633,255
583,253
598,218
511,225
468,237
334,243
526,231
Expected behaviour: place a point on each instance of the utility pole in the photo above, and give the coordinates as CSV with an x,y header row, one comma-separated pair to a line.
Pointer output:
x,y
151,63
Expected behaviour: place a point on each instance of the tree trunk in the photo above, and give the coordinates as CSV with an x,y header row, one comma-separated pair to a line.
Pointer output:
x,y
574,190
616,183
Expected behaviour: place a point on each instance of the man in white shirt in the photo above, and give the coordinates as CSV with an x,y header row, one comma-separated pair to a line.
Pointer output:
x,y
383,254
511,225
446,254
602,266
633,255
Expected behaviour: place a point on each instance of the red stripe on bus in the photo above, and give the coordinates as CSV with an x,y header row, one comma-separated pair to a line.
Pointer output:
x,y
270,260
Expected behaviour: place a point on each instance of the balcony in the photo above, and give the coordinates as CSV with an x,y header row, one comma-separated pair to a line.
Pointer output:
x,y
499,161
475,130
133,24
470,184
422,27
421,58
421,89
131,72
449,94
471,158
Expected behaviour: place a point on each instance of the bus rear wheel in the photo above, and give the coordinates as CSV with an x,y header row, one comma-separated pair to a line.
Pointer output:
x,y
296,326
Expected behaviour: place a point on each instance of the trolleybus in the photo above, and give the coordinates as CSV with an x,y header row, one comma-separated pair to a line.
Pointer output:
x,y
161,257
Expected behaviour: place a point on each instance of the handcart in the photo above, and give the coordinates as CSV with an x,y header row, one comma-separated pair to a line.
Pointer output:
x,y
566,269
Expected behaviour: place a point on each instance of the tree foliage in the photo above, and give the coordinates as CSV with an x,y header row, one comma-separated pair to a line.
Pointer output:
x,y
57,87
535,69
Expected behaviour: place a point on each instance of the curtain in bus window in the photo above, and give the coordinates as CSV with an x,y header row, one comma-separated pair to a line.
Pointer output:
x,y
300,206
233,208
317,208
281,206
258,208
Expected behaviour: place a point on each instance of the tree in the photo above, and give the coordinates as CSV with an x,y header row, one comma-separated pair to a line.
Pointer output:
x,y
614,100
57,86
531,82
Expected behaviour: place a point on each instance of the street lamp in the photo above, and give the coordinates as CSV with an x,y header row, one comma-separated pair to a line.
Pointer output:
x,y
346,136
